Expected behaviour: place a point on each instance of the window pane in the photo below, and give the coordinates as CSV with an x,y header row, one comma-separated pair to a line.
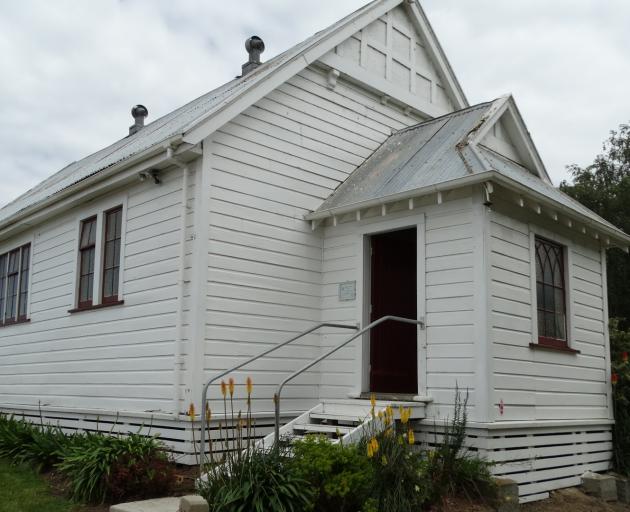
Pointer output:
x,y
111,259
3,282
24,272
560,327
107,283
550,293
549,299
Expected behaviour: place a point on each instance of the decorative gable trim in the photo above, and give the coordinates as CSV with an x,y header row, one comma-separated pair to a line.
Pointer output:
x,y
267,80
506,106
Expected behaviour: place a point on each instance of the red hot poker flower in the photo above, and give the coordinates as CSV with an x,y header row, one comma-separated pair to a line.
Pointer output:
x,y
624,357
614,378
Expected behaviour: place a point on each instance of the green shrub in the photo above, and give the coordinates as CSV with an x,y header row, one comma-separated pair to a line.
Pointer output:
x,y
449,469
256,481
340,475
389,445
619,348
40,446
90,460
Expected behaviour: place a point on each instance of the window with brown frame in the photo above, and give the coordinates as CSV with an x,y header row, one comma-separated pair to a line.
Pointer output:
x,y
14,281
551,294
111,255
87,253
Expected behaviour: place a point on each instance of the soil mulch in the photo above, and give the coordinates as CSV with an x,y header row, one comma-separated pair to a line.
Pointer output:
x,y
185,477
573,500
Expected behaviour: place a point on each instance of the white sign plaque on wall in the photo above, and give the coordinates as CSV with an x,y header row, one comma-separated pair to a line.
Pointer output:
x,y
348,291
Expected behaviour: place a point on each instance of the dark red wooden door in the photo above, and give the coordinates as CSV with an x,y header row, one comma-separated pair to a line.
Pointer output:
x,y
393,345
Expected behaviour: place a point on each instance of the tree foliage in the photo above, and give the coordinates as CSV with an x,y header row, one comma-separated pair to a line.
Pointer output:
x,y
604,187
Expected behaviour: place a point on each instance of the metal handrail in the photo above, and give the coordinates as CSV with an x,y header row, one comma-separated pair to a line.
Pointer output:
x,y
245,363
276,396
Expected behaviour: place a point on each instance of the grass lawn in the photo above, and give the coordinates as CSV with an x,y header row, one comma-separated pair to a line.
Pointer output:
x,y
22,490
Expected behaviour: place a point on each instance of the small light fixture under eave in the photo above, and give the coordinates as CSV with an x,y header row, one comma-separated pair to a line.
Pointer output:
x,y
358,215
383,210
439,197
152,174
521,201
411,204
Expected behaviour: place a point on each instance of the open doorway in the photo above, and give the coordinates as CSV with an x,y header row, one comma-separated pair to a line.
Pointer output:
x,y
393,291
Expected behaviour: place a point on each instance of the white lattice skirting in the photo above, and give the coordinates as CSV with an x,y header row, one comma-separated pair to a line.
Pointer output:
x,y
540,457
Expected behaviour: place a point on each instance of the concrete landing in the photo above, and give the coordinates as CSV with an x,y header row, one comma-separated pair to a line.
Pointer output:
x,y
156,505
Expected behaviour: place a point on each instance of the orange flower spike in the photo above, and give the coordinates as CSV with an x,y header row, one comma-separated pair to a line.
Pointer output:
x,y
223,388
231,386
208,413
250,386
624,357
191,411
614,378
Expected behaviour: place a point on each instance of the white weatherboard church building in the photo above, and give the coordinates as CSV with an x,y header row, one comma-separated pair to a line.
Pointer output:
x,y
341,181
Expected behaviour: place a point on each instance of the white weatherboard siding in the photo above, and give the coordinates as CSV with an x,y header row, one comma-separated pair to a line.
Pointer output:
x,y
538,384
272,164
113,359
447,300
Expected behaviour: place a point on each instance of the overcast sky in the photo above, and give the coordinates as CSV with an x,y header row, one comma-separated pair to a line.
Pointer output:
x,y
72,69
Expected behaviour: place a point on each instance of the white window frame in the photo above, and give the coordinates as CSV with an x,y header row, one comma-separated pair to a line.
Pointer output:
x,y
98,209
16,243
567,254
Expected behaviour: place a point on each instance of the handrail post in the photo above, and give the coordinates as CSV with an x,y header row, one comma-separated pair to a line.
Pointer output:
x,y
367,328
204,393
276,428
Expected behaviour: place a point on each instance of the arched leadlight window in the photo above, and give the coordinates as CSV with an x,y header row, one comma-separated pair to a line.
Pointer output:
x,y
551,294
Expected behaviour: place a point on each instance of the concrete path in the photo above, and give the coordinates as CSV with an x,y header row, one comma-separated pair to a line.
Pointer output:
x,y
157,505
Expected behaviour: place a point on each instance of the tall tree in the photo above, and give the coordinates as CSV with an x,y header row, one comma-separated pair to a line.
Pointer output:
x,y
604,187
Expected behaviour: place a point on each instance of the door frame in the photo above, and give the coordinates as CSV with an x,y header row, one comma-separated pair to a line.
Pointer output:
x,y
364,232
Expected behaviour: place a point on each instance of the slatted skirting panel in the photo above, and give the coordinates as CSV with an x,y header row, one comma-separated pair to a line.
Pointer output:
x,y
181,437
539,458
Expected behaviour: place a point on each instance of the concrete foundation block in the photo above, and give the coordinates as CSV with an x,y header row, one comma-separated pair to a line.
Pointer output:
x,y
507,495
193,504
623,489
600,486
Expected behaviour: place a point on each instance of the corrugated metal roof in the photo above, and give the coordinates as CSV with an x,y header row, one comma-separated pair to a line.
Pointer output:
x,y
434,153
166,127
512,170
420,156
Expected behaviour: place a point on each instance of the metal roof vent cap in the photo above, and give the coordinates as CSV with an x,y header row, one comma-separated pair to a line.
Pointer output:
x,y
139,112
254,46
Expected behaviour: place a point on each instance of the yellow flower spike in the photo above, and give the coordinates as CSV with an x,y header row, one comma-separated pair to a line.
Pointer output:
x,y
384,460
208,413
250,386
370,451
373,400
231,386
191,411
411,437
223,388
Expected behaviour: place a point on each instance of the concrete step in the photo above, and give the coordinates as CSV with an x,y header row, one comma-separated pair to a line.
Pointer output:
x,y
346,418
323,429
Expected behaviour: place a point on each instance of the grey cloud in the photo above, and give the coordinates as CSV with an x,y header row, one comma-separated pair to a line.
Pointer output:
x,y
71,70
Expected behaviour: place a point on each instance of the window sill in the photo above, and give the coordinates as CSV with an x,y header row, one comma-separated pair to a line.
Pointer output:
x,y
15,322
97,306
540,346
